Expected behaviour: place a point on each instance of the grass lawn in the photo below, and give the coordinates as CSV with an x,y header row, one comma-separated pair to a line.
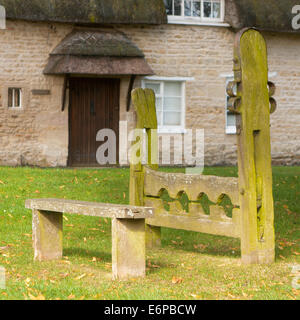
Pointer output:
x,y
188,266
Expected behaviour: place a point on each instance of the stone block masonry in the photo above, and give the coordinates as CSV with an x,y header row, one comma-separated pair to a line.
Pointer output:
x,y
37,134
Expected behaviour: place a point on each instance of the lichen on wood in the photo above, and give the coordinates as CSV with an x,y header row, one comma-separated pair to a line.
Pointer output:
x,y
254,147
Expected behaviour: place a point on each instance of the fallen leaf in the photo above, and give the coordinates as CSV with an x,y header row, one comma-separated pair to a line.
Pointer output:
x,y
64,275
296,292
80,277
27,235
38,297
27,281
176,280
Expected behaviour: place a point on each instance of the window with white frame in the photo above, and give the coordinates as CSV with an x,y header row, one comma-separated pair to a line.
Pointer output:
x,y
14,98
199,10
170,103
230,116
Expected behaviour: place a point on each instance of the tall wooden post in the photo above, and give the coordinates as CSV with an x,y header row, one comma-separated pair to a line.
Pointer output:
x,y
144,104
253,104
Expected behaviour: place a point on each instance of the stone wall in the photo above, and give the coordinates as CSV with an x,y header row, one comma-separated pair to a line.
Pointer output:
x,y
205,53
38,133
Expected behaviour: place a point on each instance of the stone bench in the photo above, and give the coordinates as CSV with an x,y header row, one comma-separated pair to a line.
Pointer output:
x,y
128,231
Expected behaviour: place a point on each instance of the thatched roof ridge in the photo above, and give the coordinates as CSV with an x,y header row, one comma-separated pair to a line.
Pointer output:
x,y
97,42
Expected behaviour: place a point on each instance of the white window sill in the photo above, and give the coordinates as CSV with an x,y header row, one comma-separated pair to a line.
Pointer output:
x,y
160,78
197,22
231,130
171,130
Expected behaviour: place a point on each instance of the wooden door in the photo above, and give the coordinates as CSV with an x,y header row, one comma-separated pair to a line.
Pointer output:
x,y
94,105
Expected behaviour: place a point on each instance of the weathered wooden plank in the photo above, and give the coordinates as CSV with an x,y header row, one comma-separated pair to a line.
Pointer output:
x,y
144,105
90,208
254,148
204,225
216,223
192,185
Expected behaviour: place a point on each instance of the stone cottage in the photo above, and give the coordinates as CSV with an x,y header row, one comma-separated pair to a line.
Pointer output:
x,y
67,68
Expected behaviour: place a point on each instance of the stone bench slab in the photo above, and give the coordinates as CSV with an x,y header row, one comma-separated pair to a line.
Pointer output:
x,y
128,231
96,209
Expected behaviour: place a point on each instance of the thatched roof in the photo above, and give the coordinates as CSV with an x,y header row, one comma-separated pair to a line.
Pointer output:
x,y
97,51
97,42
90,12
269,15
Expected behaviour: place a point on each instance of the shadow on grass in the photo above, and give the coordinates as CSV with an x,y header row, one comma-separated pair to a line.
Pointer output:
x,y
201,243
154,266
79,252
218,245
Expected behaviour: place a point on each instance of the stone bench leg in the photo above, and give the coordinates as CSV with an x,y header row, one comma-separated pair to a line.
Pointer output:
x,y
128,248
47,235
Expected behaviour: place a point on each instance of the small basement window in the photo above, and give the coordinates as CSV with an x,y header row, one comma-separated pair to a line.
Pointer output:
x,y
14,97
